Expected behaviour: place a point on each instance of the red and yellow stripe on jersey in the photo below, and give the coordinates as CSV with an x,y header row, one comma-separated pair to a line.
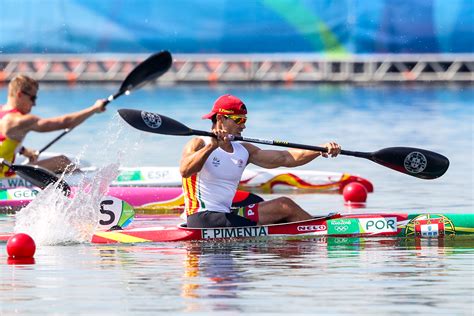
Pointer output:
x,y
192,201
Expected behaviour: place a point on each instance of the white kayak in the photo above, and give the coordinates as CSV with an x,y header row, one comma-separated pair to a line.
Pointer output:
x,y
256,180
262,180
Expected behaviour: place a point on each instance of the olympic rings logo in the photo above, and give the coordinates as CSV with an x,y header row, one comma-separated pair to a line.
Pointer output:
x,y
341,229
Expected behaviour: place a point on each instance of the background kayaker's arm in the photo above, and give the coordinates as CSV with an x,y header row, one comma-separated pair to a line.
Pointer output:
x,y
70,120
194,156
287,158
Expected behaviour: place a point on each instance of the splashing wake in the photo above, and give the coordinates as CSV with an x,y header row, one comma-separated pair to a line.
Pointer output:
x,y
52,218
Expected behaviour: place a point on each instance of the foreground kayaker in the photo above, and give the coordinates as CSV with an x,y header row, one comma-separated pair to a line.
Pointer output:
x,y
16,121
212,167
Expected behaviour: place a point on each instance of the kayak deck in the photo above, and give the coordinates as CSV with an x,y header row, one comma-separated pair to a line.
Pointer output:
x,y
357,225
421,225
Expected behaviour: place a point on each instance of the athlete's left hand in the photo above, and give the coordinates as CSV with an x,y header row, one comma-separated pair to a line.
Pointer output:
x,y
334,149
31,154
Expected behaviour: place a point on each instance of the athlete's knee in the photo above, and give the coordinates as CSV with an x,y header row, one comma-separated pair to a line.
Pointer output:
x,y
286,203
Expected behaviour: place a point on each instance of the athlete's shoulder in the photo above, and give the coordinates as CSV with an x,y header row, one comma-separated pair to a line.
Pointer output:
x,y
250,147
195,143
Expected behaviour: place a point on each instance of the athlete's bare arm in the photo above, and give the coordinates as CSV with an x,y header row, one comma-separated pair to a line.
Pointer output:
x,y
287,158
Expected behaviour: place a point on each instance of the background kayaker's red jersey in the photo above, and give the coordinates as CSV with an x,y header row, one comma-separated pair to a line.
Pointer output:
x,y
2,114
8,147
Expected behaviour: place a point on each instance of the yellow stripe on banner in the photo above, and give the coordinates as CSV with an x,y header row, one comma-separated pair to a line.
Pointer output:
x,y
465,229
120,237
165,206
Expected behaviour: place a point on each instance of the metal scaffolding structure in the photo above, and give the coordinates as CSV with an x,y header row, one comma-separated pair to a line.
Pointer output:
x,y
286,68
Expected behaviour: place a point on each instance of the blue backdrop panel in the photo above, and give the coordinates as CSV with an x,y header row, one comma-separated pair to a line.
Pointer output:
x,y
236,26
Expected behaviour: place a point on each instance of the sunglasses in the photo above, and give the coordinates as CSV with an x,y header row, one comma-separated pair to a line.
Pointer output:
x,y
32,97
238,119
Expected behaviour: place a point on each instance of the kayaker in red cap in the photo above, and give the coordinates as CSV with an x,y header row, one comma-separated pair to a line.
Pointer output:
x,y
212,167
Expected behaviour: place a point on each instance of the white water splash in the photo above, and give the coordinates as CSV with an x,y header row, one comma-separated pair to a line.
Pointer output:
x,y
51,218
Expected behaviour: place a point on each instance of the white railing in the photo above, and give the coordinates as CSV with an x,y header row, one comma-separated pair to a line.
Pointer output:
x,y
277,68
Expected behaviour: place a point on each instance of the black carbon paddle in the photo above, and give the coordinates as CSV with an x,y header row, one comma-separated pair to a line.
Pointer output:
x,y
148,70
420,163
38,176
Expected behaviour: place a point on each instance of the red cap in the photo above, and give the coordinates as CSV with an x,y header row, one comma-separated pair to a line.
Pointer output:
x,y
227,104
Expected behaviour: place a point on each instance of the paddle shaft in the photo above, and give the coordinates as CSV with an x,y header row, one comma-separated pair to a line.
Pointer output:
x,y
53,141
115,96
286,144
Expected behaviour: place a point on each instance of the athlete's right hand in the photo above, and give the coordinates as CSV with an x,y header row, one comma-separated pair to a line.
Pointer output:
x,y
100,106
222,137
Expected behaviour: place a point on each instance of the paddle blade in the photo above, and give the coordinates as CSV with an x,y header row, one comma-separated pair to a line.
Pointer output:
x,y
415,162
154,123
40,177
148,70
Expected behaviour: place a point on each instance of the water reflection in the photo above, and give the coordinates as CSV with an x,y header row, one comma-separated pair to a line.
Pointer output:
x,y
211,273
263,276
253,276
218,275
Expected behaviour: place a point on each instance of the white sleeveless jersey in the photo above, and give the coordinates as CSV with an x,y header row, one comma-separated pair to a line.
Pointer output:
x,y
214,187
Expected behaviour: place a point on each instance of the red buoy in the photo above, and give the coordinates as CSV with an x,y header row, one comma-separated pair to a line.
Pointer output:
x,y
355,192
21,246
20,261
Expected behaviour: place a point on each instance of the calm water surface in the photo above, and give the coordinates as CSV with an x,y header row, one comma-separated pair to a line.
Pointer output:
x,y
323,276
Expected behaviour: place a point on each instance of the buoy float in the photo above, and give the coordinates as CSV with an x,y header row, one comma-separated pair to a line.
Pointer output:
x,y
21,246
20,261
355,193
